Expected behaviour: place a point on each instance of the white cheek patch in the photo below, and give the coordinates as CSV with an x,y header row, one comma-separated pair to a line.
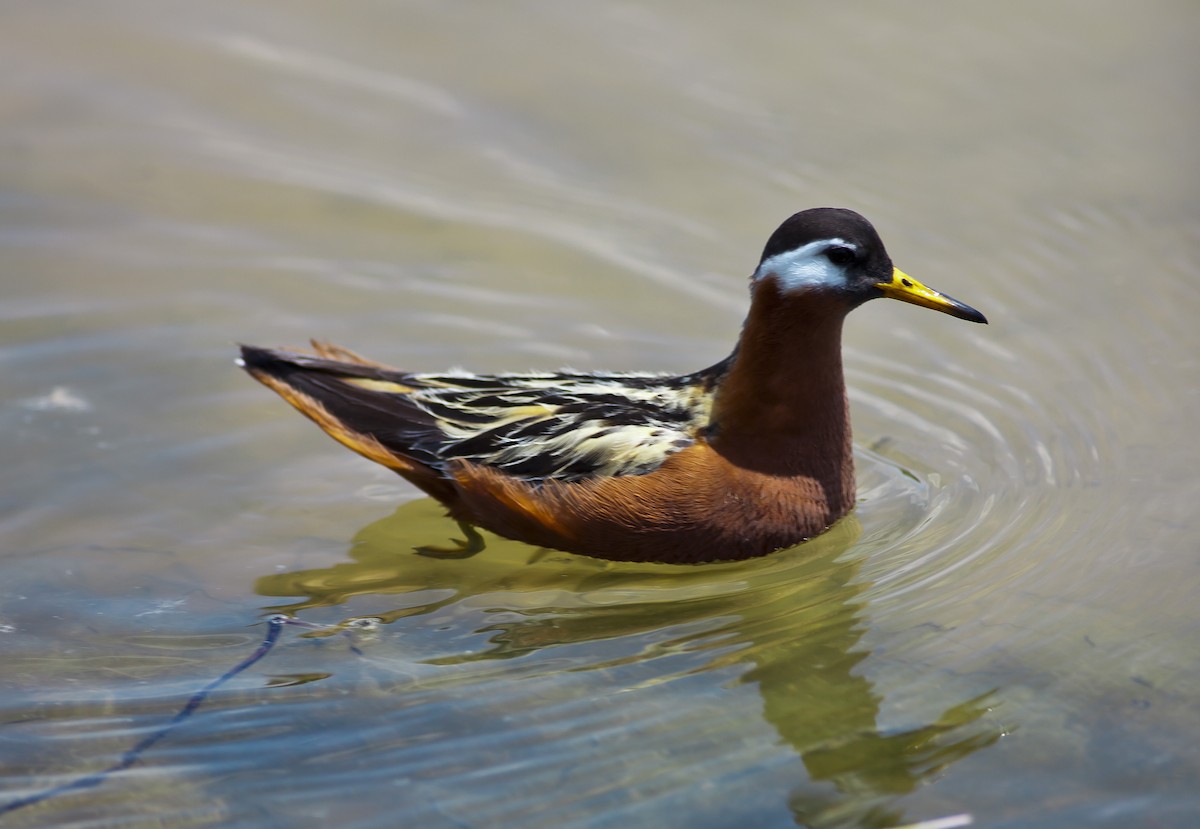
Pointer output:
x,y
806,267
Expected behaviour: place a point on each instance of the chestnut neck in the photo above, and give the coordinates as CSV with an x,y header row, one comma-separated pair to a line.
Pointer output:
x,y
781,409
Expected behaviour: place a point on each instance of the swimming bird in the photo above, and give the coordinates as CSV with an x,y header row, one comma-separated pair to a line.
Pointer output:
x,y
745,457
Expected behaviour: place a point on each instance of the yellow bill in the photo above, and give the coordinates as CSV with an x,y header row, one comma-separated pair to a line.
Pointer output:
x,y
906,289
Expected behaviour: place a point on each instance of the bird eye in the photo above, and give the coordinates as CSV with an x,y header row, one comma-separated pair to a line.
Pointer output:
x,y
840,256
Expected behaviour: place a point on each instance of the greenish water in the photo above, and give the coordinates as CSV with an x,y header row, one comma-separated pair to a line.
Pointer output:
x,y
1006,628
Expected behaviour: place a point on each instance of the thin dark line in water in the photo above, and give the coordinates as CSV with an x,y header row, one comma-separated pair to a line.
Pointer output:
x,y
275,624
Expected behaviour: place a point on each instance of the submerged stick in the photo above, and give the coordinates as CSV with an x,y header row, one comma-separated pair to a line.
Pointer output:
x,y
275,624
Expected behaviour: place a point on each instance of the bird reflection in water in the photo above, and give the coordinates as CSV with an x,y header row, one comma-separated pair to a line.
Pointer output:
x,y
790,624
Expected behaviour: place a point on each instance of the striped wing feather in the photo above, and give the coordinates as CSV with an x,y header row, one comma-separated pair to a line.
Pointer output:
x,y
564,426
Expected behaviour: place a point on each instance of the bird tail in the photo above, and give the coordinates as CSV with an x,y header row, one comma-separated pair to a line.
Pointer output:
x,y
359,403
